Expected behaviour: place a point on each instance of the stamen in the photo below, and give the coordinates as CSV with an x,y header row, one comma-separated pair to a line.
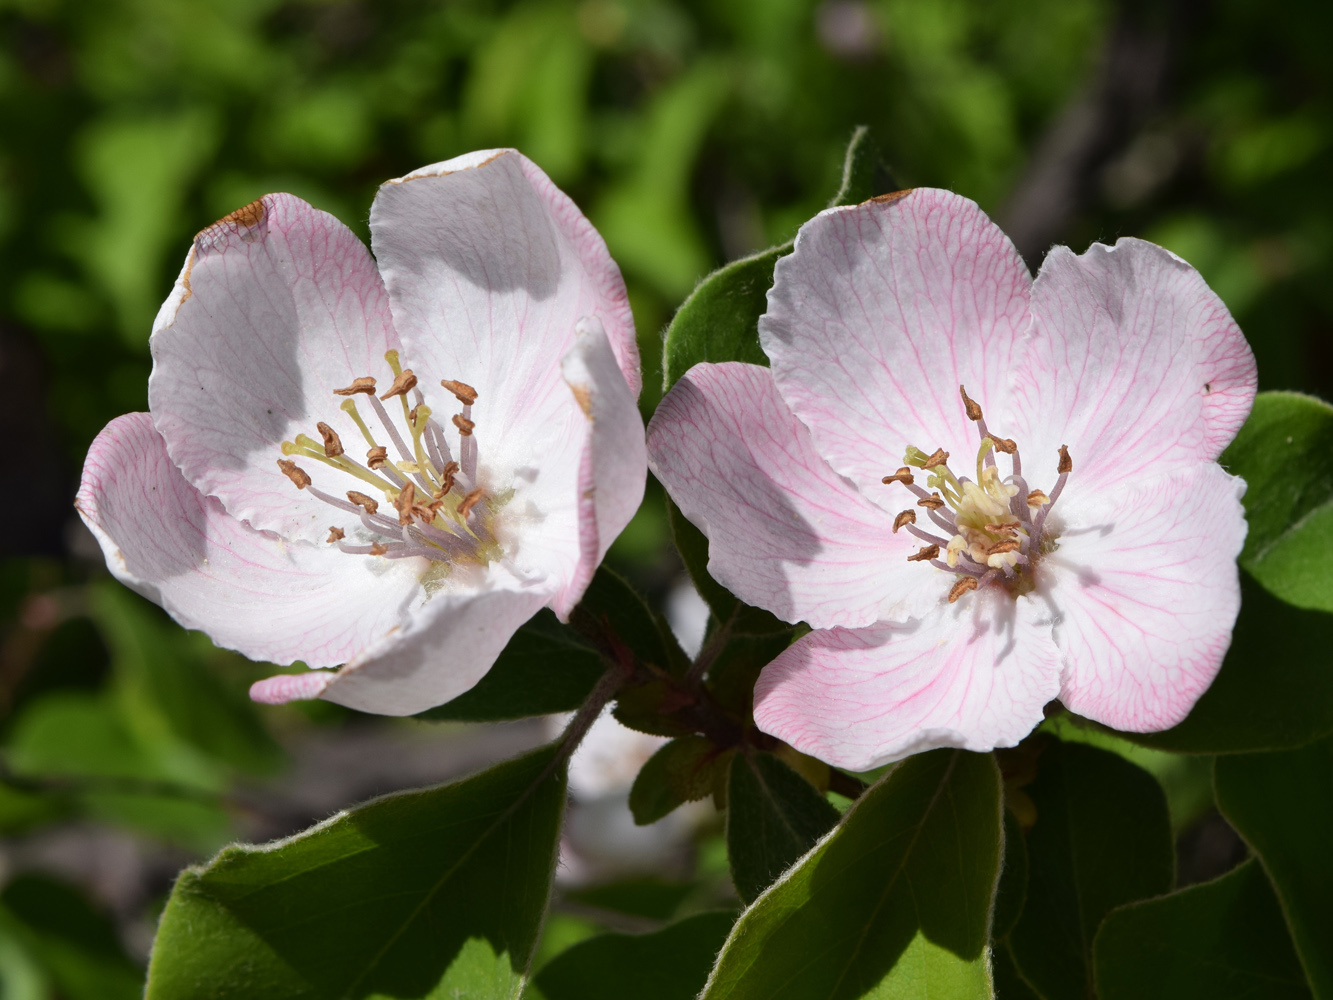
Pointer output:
x,y
464,425
369,504
378,549
336,535
1066,463
970,405
999,548
377,456
469,501
294,472
307,446
333,446
1007,446
403,382
938,457
447,479
349,407
903,475
926,536
1038,499
906,517
464,392
404,501
933,502
364,384
926,552
960,588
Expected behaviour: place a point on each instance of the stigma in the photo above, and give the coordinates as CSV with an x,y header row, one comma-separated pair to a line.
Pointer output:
x,y
992,529
416,495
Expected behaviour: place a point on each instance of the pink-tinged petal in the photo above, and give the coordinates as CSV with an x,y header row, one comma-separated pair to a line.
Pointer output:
x,y
489,269
877,317
1145,591
278,305
444,650
613,466
975,675
249,590
1133,363
785,532
283,688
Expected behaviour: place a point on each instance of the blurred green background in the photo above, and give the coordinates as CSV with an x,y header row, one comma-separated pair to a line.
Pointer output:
x,y
690,131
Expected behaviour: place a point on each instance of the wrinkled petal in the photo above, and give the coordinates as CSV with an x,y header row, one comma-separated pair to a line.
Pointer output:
x,y
278,304
249,590
443,651
613,466
1144,591
1133,362
974,675
489,268
785,532
877,317
284,688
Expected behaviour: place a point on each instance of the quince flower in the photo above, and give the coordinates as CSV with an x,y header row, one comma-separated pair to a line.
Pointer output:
x,y
487,372
982,492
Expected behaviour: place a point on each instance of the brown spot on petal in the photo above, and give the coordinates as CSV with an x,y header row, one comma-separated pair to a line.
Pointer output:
x,y
906,517
248,216
336,535
903,475
1066,463
583,397
464,425
369,504
469,501
938,457
402,384
465,393
888,199
294,472
377,456
970,405
405,501
962,587
932,502
926,552
364,384
333,446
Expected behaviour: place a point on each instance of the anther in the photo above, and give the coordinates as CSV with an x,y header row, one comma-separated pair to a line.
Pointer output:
x,y
963,585
364,384
999,548
1066,463
377,456
368,504
469,501
906,517
903,475
464,425
926,552
1038,499
932,502
294,472
970,405
336,535
378,549
333,446
403,383
1006,445
938,457
465,393
405,501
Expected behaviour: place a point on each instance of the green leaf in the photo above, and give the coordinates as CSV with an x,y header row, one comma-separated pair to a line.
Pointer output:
x,y
684,770
1009,985
1012,891
896,902
544,669
614,616
1284,452
1282,804
864,174
670,964
773,817
1223,940
1102,838
649,897
1275,689
75,944
439,891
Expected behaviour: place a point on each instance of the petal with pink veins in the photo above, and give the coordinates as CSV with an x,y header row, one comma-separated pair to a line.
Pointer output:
x,y
249,590
974,675
1145,592
278,305
612,467
880,313
1133,362
443,651
489,268
785,532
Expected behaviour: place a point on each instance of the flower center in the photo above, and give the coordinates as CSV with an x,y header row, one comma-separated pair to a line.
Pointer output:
x,y
439,511
994,528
